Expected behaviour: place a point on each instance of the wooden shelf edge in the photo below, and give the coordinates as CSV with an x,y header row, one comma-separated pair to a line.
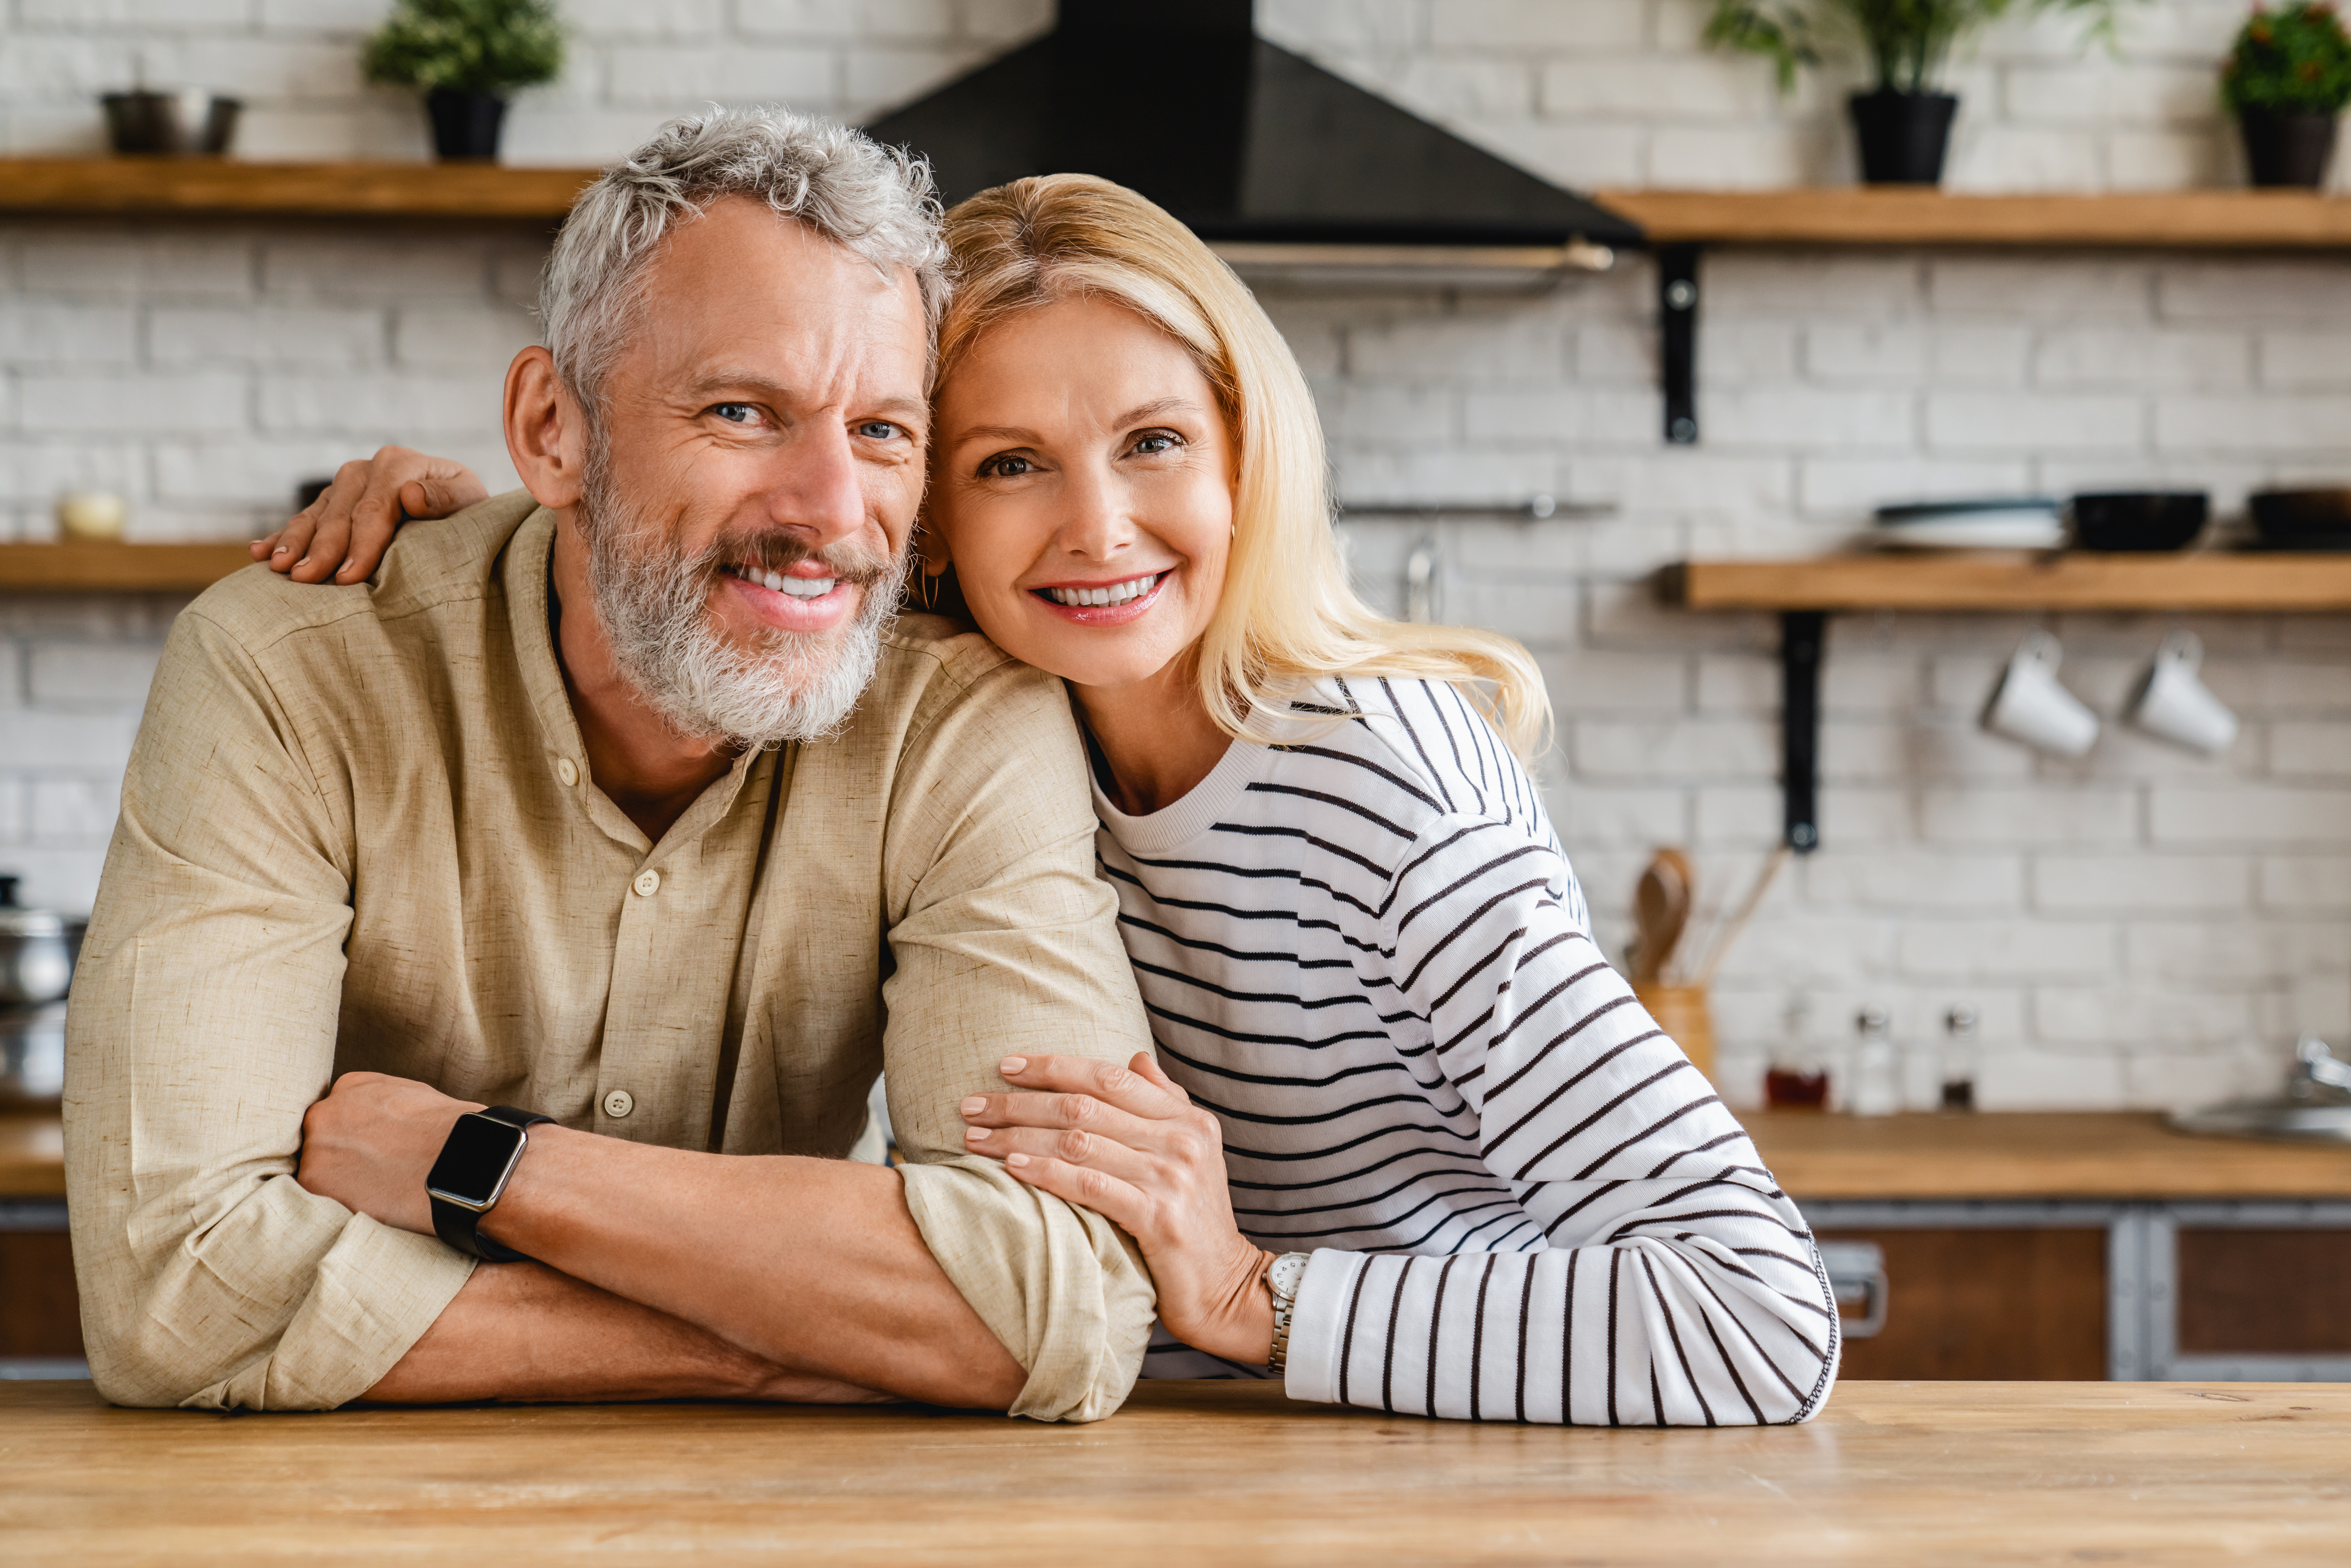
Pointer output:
x,y
224,187
2248,583
117,567
1887,216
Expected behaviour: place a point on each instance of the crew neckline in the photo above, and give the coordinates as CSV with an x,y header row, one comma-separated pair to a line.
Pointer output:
x,y
1171,827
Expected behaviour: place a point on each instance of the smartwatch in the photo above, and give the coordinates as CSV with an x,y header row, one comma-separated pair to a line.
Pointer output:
x,y
466,1182
1283,1278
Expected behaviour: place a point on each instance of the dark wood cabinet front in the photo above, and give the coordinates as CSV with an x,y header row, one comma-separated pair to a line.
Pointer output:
x,y
2026,1304
38,1314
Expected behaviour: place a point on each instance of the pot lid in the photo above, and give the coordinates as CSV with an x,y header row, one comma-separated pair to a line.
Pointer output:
x,y
16,920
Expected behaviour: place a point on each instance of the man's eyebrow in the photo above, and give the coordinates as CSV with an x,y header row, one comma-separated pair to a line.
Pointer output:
x,y
910,408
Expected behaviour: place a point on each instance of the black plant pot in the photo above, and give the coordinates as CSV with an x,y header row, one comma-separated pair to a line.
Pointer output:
x,y
465,124
1903,135
2286,149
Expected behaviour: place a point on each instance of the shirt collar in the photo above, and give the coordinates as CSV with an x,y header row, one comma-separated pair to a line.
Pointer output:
x,y
529,564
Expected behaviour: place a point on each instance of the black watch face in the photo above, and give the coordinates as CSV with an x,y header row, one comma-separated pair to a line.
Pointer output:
x,y
474,1159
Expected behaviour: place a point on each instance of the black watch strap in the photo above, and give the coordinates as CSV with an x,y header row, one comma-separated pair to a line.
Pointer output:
x,y
459,1226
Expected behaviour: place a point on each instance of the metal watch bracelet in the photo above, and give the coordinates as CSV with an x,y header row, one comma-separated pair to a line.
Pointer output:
x,y
1283,1278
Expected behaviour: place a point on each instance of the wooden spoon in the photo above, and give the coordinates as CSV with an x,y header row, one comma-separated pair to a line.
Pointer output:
x,y
1661,907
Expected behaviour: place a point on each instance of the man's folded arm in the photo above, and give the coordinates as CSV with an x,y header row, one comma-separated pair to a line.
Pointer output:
x,y
1005,943
203,1023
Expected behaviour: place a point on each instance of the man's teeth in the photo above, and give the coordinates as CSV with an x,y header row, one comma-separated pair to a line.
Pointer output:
x,y
1117,593
797,586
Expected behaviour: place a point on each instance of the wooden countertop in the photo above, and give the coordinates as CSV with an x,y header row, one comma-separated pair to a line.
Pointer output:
x,y
2041,1154
1912,1473
2019,1154
32,1158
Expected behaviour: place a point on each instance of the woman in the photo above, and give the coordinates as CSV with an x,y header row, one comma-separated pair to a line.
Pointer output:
x,y
1389,1042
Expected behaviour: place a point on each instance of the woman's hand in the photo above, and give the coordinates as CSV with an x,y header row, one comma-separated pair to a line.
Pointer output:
x,y
1128,1143
344,533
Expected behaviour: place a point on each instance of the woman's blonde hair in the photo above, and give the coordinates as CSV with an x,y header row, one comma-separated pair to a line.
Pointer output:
x,y
1288,615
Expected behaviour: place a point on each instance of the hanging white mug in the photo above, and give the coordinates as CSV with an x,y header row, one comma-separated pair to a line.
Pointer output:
x,y
2171,699
2029,706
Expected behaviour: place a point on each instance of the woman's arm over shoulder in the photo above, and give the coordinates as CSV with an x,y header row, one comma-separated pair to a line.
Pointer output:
x,y
1672,1282
342,535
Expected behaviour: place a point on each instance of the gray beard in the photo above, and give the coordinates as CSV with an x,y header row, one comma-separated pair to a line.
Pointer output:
x,y
655,601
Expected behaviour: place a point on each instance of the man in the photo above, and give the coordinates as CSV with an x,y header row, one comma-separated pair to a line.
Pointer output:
x,y
570,812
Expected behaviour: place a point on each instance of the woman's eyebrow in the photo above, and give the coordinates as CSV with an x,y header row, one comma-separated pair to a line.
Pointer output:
x,y
1136,415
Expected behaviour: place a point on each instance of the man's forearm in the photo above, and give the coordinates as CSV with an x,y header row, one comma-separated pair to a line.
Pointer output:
x,y
521,1332
813,1265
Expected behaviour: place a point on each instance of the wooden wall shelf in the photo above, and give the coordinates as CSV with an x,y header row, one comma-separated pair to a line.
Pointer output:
x,y
117,567
1861,216
1844,215
213,187
2015,580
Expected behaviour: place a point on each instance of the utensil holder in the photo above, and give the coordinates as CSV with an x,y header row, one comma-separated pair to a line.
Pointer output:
x,y
1682,1012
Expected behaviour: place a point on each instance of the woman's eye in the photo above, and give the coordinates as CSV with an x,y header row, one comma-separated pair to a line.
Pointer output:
x,y
1157,442
1004,465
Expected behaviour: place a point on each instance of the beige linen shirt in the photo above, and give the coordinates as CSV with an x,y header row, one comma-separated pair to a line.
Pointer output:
x,y
357,832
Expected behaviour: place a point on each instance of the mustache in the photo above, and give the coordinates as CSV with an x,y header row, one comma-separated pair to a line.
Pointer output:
x,y
778,552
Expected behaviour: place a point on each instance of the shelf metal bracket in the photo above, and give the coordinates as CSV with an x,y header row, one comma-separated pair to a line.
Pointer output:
x,y
1678,340
1802,634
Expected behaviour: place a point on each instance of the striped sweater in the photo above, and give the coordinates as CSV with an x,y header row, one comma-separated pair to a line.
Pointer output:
x,y
1364,952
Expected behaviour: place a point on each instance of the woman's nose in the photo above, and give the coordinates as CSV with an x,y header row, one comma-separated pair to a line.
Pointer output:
x,y
1099,516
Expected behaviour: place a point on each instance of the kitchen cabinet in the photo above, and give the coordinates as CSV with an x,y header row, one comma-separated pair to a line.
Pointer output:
x,y
2063,1246
40,1319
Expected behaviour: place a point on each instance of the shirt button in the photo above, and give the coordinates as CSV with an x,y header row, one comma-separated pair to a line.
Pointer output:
x,y
619,1103
568,771
648,883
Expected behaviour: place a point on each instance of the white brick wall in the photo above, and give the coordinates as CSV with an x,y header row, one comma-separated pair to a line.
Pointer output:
x,y
2142,927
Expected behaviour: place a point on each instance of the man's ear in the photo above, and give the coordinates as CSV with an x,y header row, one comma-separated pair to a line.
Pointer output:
x,y
546,436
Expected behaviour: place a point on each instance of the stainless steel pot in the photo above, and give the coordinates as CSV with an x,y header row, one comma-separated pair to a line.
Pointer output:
x,y
35,961
32,1057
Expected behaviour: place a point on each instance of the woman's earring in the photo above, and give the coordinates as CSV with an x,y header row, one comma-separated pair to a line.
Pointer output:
x,y
931,589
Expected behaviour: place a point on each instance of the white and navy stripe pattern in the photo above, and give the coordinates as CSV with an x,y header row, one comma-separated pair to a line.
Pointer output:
x,y
1364,951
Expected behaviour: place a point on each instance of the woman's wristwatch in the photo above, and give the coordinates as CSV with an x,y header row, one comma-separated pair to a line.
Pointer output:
x,y
1283,1278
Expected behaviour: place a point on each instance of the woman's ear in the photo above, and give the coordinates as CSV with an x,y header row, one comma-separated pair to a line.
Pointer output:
x,y
546,433
930,547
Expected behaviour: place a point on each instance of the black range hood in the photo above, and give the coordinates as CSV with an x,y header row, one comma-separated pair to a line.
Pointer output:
x,y
1263,153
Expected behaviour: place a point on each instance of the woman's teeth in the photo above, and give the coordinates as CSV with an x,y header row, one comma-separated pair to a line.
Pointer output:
x,y
1117,593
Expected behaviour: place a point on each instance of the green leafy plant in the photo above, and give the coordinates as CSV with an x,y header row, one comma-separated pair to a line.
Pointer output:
x,y
1907,40
2294,61
474,45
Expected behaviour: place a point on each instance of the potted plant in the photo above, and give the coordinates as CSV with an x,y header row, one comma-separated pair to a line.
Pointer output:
x,y
2287,77
1903,124
466,56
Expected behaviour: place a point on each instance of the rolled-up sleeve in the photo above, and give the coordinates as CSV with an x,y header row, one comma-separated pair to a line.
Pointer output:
x,y
203,1025
1005,943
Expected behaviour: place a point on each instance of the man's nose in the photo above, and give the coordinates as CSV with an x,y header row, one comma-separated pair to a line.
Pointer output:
x,y
814,485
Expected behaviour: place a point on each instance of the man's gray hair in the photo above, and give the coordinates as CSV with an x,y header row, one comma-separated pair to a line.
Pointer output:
x,y
877,201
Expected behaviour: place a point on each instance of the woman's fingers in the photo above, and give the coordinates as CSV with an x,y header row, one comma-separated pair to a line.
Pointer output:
x,y
1117,1201
1066,1113
1105,1081
1093,1150
291,544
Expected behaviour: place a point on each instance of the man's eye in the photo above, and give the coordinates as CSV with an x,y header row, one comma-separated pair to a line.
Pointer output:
x,y
1006,466
735,412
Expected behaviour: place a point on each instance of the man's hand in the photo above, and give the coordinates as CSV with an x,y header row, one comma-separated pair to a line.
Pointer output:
x,y
370,1142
